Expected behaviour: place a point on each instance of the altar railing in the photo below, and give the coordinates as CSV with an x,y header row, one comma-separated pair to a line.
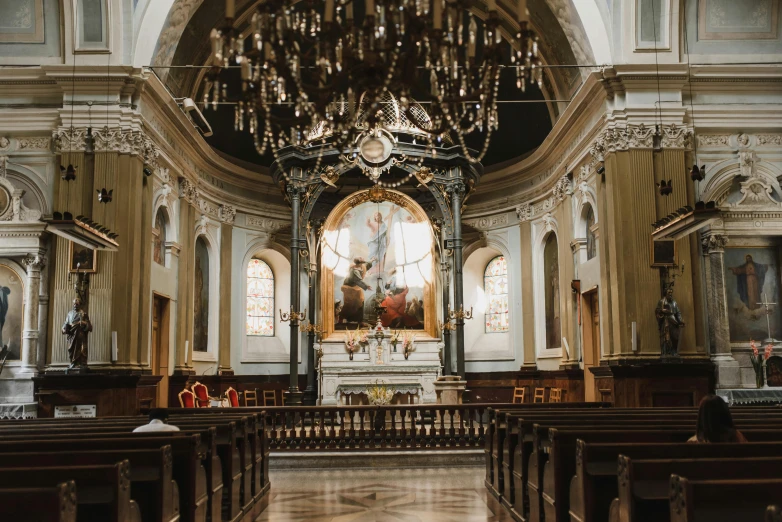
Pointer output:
x,y
388,427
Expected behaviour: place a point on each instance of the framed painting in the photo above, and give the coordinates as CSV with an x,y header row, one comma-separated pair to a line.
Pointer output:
x,y
751,282
378,264
664,252
82,259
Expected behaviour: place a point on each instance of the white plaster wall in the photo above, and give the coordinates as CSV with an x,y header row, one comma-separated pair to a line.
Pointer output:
x,y
493,352
254,355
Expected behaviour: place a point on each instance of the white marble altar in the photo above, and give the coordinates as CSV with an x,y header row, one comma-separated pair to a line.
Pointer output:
x,y
370,365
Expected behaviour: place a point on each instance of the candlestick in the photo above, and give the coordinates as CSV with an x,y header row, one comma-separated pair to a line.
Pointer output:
x,y
437,14
230,8
492,5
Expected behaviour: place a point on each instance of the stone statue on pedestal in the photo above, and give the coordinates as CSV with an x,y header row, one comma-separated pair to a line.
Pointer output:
x,y
76,327
669,322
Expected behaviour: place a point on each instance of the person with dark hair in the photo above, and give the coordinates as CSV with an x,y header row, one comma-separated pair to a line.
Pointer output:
x,y
158,421
715,423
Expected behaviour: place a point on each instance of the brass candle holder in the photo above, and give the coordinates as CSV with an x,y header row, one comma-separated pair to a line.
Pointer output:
x,y
292,315
460,314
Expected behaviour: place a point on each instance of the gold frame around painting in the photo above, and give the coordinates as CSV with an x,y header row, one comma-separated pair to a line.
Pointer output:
x,y
71,268
654,263
376,195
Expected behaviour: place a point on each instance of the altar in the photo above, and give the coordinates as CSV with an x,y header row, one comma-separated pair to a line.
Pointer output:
x,y
346,381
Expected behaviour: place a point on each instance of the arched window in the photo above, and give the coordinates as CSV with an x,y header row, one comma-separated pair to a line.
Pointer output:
x,y
159,238
590,234
495,286
260,298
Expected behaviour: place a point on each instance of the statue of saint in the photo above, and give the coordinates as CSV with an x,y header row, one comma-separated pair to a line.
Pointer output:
x,y
669,321
76,327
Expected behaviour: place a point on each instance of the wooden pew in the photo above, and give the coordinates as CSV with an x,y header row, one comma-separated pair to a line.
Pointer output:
x,y
228,457
559,468
152,486
104,490
644,484
773,514
188,452
518,444
594,487
52,504
721,500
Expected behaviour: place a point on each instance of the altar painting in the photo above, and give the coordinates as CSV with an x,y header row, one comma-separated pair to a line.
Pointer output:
x,y
378,259
752,278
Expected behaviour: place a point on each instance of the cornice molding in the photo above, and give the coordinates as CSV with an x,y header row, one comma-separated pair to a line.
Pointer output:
x,y
108,139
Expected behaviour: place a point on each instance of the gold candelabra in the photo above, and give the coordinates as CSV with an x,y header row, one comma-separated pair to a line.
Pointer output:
x,y
459,314
449,325
292,316
316,328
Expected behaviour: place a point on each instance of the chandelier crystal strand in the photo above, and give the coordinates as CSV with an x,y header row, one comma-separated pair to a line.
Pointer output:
x,y
312,78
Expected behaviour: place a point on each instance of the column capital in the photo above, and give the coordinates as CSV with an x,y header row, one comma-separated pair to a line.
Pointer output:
x,y
714,243
227,214
188,191
34,262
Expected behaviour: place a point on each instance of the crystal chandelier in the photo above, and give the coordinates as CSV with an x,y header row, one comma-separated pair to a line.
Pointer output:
x,y
312,65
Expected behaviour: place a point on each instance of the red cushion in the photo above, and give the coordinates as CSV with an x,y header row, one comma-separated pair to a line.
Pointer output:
x,y
202,393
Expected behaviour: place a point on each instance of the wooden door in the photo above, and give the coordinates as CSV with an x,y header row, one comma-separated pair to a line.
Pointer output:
x,y
591,337
160,335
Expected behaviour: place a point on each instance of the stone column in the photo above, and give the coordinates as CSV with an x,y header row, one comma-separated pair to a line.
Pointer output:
x,y
527,299
34,264
445,272
728,372
457,192
294,194
227,216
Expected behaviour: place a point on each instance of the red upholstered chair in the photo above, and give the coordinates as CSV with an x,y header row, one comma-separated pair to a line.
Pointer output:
x,y
233,397
202,395
187,399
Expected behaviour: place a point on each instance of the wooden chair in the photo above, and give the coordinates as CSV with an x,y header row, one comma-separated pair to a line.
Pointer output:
x,y
269,395
519,395
187,399
540,395
202,394
555,395
250,395
233,397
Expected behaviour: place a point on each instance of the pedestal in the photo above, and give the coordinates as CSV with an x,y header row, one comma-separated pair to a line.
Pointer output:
x,y
112,395
727,371
449,389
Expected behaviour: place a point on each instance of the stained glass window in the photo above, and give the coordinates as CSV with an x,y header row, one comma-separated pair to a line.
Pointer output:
x,y
260,298
495,286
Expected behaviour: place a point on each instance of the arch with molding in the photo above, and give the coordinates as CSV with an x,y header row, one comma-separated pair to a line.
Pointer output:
x,y
274,349
543,229
720,183
204,232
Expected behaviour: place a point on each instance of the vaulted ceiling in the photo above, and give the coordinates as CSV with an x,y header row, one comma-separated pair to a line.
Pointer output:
x,y
522,126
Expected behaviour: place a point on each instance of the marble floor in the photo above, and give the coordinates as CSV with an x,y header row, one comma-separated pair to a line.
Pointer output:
x,y
383,495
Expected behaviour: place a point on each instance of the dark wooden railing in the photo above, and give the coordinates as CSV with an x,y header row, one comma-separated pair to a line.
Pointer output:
x,y
376,427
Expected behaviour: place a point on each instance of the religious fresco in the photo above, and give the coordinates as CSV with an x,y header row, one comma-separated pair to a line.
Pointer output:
x,y
159,239
590,234
201,298
752,278
379,254
551,271
11,311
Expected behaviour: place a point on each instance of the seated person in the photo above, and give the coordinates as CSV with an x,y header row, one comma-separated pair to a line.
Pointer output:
x,y
158,421
715,423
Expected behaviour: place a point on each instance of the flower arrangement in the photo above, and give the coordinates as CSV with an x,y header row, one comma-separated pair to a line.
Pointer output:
x,y
395,336
408,343
353,341
757,361
380,393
